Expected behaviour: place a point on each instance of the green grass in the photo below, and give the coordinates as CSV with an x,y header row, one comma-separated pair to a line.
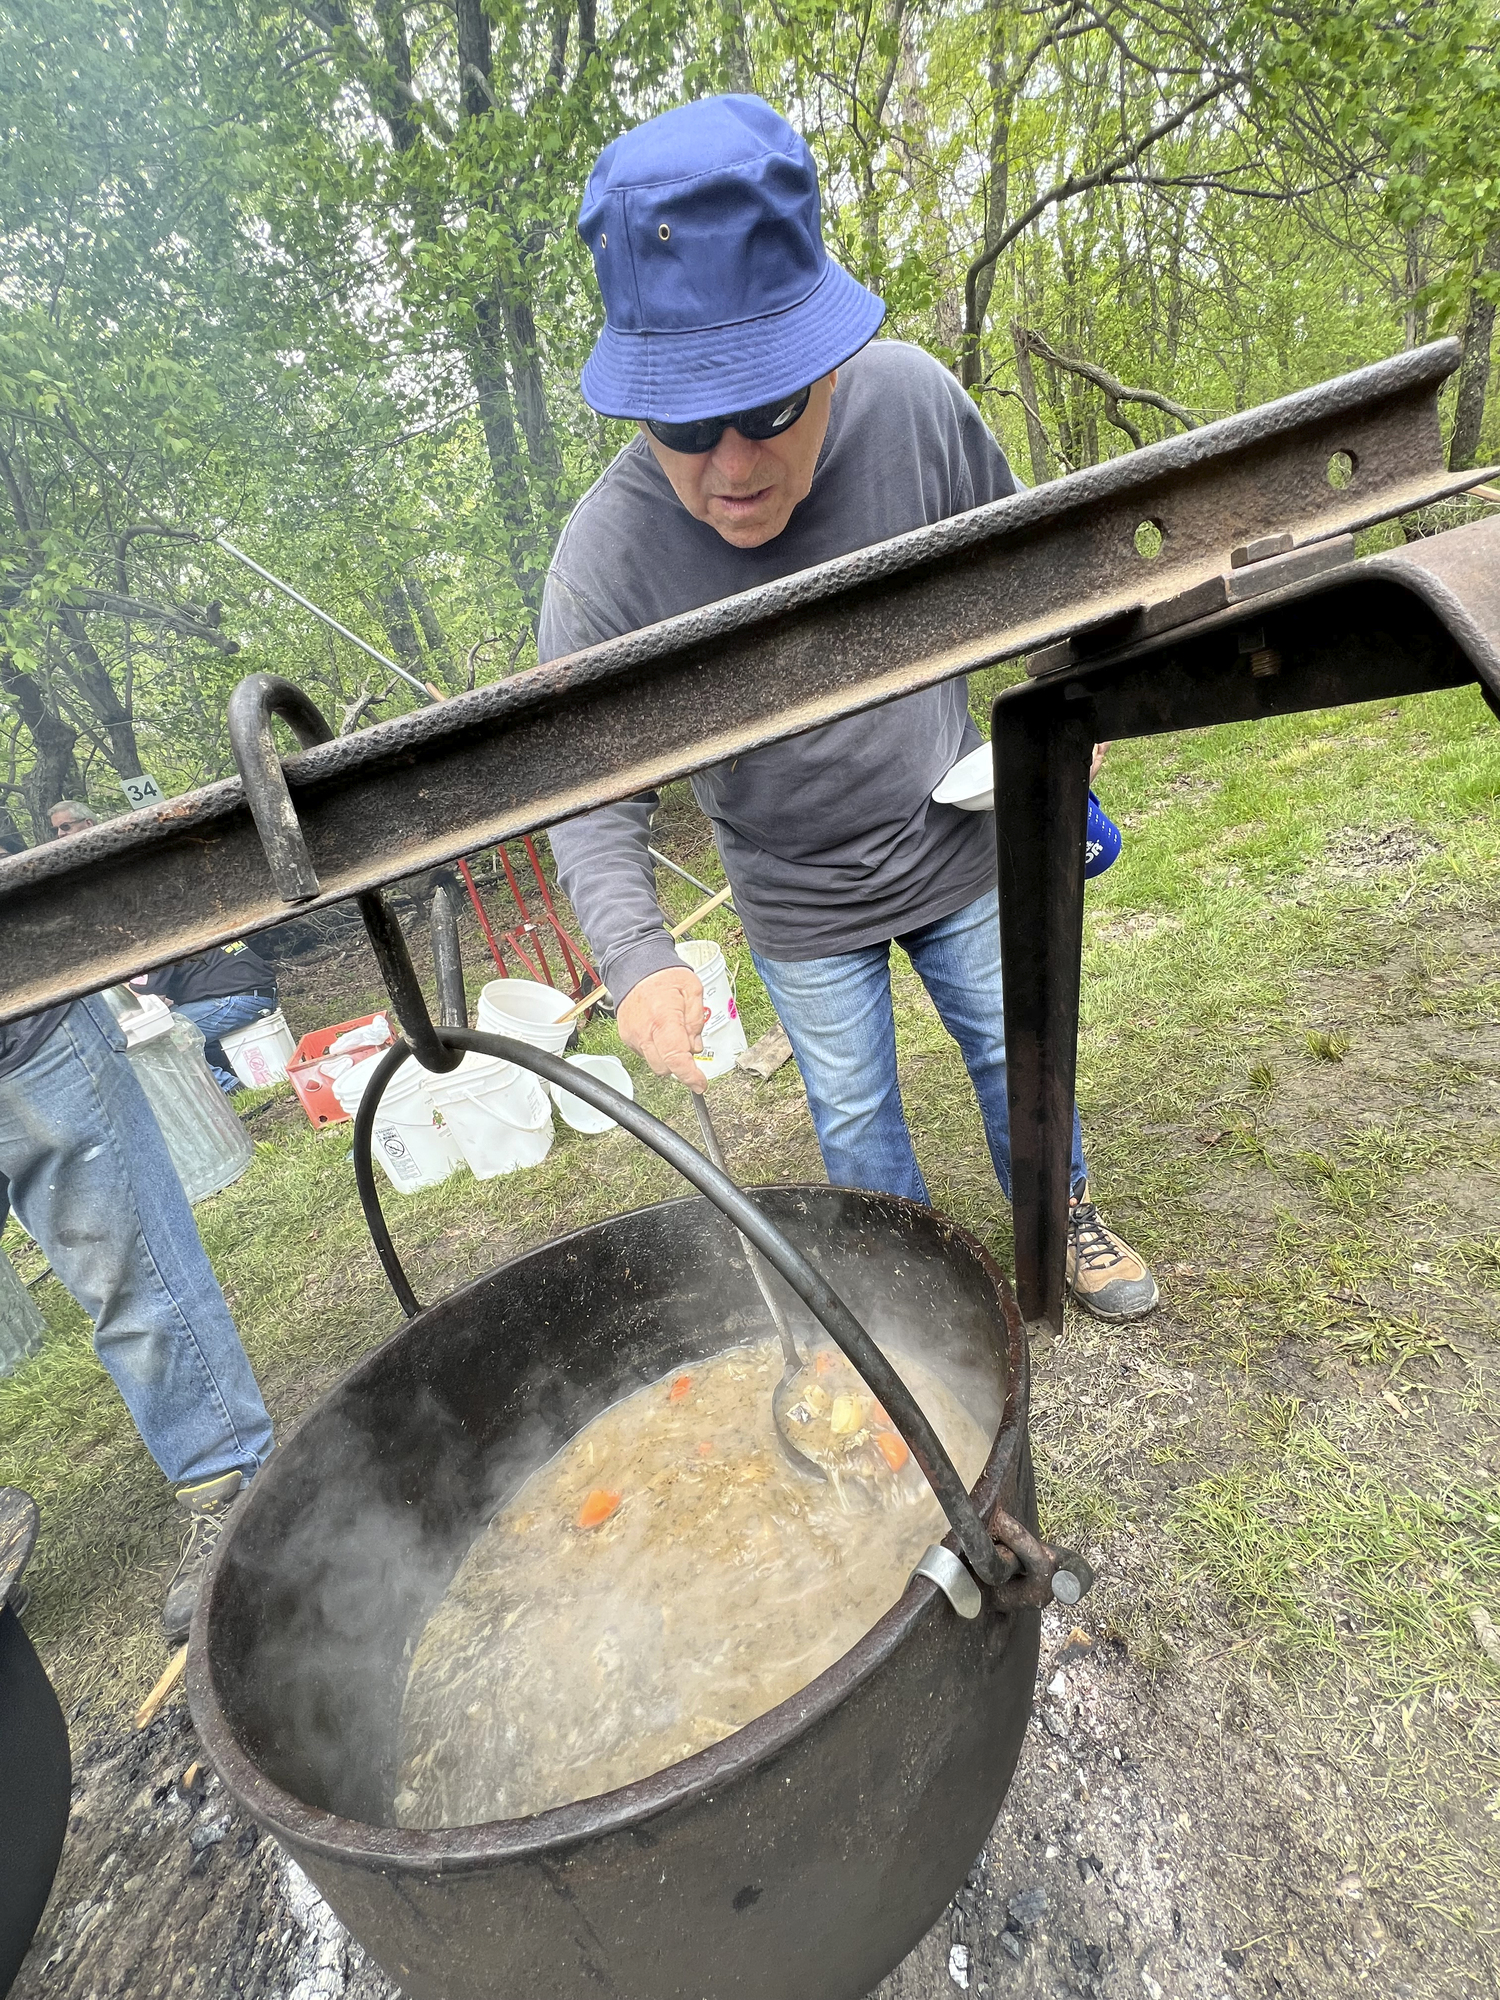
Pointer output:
x,y
1327,1563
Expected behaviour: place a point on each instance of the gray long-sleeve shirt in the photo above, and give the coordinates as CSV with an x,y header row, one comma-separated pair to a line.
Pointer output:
x,y
830,840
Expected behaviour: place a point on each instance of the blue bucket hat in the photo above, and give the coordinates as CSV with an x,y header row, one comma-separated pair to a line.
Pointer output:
x,y
706,233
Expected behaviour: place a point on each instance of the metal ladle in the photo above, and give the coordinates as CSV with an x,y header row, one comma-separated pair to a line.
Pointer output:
x,y
787,1391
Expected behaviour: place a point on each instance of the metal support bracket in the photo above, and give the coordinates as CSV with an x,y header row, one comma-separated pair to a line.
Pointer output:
x,y
1407,622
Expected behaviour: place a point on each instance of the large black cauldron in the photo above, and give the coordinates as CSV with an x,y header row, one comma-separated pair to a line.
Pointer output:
x,y
801,1858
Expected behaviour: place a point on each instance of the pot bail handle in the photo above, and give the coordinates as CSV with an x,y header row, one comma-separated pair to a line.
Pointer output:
x,y
992,1565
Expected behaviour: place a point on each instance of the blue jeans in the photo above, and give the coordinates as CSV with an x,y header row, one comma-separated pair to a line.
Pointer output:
x,y
91,1179
222,1017
838,1018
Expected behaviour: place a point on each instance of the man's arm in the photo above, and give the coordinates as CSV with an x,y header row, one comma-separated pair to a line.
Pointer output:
x,y
606,873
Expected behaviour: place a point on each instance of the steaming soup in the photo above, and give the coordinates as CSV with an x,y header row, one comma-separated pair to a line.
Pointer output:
x,y
663,1580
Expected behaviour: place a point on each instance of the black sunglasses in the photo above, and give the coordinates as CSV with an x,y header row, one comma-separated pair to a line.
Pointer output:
x,y
767,420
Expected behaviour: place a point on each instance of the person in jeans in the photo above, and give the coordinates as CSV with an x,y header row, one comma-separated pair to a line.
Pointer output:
x,y
775,433
219,990
90,1177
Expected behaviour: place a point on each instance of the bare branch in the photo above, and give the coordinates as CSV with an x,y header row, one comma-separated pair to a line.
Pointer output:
x,y
1110,170
1115,392
156,614
362,703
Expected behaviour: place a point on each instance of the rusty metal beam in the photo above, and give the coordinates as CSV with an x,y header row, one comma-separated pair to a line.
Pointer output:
x,y
638,711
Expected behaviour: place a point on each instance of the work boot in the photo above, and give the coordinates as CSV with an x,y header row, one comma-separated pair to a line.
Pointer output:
x,y
206,1507
1104,1273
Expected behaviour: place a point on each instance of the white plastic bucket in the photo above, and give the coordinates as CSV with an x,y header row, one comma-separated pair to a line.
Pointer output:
x,y
527,1011
583,1117
723,1031
259,1054
413,1148
499,1115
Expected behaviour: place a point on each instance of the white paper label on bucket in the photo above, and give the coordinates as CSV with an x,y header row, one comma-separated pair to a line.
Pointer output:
x,y
396,1155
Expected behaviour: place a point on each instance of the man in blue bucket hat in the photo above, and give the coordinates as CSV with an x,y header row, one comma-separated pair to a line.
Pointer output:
x,y
775,433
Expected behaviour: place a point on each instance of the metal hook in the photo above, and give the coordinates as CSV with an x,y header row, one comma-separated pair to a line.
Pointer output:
x,y
254,702
257,699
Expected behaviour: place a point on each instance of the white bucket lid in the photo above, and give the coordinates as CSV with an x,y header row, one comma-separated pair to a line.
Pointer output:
x,y
583,1117
151,1019
971,782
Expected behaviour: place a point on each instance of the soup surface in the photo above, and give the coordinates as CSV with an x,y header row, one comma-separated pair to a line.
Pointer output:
x,y
663,1580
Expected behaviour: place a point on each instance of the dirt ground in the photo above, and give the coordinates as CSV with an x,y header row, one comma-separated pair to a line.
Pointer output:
x,y
1203,1809
1162,1837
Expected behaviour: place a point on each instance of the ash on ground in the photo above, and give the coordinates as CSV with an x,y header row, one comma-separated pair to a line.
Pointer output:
x,y
1153,1847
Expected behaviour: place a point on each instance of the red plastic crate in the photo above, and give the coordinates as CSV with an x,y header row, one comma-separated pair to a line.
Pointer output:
x,y
308,1075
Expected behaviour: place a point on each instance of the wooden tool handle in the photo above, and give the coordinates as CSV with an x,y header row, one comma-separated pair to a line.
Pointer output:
x,y
682,929
146,1713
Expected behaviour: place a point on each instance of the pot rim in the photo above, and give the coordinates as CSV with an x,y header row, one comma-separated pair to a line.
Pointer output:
x,y
463,1849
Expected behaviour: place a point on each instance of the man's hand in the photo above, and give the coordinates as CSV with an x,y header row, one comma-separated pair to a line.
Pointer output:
x,y
1097,760
662,1019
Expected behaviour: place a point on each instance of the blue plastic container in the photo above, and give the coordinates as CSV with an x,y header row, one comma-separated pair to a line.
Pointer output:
x,y
1103,841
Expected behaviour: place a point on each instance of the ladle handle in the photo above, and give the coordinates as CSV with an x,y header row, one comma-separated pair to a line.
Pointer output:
x,y
715,1152
989,1563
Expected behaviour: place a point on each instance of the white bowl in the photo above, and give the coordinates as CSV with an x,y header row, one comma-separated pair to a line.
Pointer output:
x,y
971,782
583,1117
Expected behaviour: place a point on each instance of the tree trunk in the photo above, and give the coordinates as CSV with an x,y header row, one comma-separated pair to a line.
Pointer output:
x,y
530,391
734,48
1474,370
54,775
507,475
99,691
1415,319
395,613
1036,435
427,618
997,194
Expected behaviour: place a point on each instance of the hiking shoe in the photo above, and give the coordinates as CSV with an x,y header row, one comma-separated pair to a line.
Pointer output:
x,y
1104,1273
206,1506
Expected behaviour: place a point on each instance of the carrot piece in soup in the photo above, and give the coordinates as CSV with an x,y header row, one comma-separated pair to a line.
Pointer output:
x,y
597,1508
679,1388
893,1449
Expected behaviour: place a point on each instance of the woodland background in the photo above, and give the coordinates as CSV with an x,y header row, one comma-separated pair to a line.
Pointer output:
x,y
305,276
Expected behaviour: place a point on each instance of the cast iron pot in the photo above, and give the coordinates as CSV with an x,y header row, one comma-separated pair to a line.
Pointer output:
x,y
36,1772
799,1859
